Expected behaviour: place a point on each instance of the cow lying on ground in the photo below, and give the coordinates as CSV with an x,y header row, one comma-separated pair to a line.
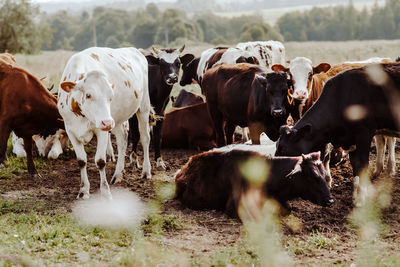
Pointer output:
x,y
245,95
185,99
164,66
188,127
26,107
216,180
100,89
342,115
51,146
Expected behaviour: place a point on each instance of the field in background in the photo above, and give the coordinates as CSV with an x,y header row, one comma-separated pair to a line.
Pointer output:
x,y
271,15
50,64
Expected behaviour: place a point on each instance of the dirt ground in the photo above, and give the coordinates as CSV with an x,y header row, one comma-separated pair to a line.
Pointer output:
x,y
211,230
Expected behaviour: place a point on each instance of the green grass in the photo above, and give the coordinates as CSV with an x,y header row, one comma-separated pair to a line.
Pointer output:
x,y
15,166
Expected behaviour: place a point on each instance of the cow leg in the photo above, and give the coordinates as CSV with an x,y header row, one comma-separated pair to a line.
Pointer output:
x,y
134,137
359,162
380,143
144,129
110,149
391,165
82,162
4,134
156,142
229,130
218,122
256,128
29,158
100,159
122,143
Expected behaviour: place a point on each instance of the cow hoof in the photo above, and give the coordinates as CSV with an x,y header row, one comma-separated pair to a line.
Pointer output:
x,y
116,178
83,195
161,165
37,175
146,175
106,194
134,160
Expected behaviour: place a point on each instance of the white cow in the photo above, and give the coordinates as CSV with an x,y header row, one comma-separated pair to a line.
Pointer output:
x,y
101,89
267,53
51,147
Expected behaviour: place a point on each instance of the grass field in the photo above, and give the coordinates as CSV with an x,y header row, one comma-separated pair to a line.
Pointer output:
x,y
38,228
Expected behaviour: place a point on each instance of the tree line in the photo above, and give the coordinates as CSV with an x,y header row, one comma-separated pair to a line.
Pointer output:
x,y
23,28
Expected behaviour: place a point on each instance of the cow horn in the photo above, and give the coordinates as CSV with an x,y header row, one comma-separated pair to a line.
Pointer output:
x,y
181,49
156,51
296,169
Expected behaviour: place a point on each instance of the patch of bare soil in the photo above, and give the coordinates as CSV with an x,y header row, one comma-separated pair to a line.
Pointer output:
x,y
207,231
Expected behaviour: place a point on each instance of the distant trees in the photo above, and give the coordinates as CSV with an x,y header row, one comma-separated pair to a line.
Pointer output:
x,y
24,29
342,23
21,28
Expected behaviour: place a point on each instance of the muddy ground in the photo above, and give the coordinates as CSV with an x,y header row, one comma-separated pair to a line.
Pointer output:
x,y
211,230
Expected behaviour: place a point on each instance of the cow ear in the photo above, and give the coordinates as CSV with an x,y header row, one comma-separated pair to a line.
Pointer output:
x,y
185,59
152,60
67,86
305,130
285,130
261,79
323,67
181,49
279,67
297,169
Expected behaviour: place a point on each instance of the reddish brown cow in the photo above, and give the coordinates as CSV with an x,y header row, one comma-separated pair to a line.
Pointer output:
x,y
188,127
26,107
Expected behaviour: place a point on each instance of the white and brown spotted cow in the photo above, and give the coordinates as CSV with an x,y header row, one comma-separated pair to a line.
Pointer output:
x,y
267,53
100,89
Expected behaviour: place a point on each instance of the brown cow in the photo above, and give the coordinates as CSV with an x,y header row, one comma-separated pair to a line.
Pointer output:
x,y
26,107
188,127
245,95
217,180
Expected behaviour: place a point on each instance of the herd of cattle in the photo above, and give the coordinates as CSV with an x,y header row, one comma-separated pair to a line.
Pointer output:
x,y
125,92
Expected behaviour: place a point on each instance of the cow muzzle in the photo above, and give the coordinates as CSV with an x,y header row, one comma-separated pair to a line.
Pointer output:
x,y
172,79
107,125
300,94
278,113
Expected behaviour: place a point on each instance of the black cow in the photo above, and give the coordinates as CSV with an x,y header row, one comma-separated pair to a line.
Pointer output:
x,y
185,99
163,73
243,94
353,107
215,180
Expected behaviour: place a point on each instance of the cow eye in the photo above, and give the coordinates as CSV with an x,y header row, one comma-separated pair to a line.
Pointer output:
x,y
88,96
309,75
178,64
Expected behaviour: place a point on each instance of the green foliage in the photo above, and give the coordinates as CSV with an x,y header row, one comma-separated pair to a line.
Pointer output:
x,y
341,23
259,31
21,29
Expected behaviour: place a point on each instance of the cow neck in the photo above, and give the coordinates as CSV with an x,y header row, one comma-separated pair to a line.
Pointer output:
x,y
320,116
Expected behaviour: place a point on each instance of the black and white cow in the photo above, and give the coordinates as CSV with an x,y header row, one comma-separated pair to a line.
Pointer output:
x,y
164,66
353,107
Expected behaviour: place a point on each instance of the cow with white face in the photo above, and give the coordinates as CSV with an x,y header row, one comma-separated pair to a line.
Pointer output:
x,y
100,89
301,72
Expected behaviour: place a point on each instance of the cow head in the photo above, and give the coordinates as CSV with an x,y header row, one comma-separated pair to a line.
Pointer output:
x,y
301,72
189,69
276,86
91,97
308,177
169,62
295,141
